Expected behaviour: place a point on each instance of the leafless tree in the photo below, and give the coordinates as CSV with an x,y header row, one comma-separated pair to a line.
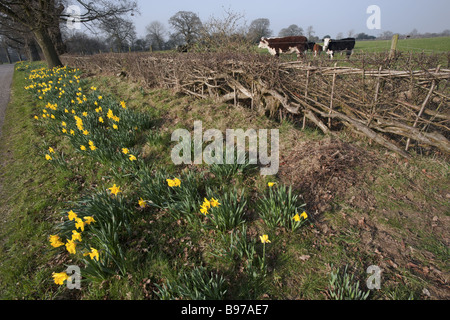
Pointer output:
x,y
120,32
292,30
156,35
225,33
310,32
43,17
259,28
188,25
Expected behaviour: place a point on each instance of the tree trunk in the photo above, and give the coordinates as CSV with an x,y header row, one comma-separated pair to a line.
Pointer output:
x,y
31,49
48,48
7,53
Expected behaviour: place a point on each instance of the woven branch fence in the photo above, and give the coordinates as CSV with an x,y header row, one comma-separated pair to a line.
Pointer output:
x,y
395,108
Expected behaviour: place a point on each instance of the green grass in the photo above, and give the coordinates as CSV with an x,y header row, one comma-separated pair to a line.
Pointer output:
x,y
31,190
427,45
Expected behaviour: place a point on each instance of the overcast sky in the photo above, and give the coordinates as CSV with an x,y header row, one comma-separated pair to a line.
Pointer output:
x,y
326,16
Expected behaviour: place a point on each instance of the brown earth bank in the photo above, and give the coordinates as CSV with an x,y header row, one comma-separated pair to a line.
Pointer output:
x,y
411,236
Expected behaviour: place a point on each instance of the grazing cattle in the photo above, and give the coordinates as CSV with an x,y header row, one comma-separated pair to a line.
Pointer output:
x,y
331,46
311,45
285,45
317,49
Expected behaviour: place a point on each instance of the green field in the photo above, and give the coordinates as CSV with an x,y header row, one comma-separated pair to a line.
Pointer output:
x,y
428,45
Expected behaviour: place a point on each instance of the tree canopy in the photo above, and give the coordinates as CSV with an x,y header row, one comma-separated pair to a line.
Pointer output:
x,y
42,19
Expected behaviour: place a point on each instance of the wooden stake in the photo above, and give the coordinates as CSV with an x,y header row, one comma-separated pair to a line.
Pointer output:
x,y
377,90
424,104
332,96
393,46
306,95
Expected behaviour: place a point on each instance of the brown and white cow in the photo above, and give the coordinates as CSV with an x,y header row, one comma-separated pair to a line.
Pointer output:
x,y
317,49
298,44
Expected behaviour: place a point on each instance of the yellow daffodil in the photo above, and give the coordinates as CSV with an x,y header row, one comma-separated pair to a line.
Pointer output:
x,y
125,150
173,183
93,148
59,278
304,215
71,247
132,158
89,220
76,235
72,215
56,242
265,238
79,224
141,203
51,150
48,158
93,254
115,190
206,203
83,148
214,203
271,184
204,210
123,104
176,182
170,183
297,218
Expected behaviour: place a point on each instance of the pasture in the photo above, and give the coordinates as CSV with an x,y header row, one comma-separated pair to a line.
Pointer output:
x,y
427,45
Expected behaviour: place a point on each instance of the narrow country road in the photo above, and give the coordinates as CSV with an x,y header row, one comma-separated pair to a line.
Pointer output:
x,y
6,74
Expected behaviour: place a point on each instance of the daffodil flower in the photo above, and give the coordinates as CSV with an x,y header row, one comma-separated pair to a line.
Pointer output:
x,y
76,235
115,190
71,247
264,238
72,215
59,278
56,242
214,203
89,220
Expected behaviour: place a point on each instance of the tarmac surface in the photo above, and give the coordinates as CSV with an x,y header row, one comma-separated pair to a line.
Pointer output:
x,y
6,75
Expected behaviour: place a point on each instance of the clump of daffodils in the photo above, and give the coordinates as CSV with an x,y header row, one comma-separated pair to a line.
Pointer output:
x,y
71,243
173,183
208,204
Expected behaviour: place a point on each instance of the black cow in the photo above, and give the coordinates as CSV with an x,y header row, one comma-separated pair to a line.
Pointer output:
x,y
331,46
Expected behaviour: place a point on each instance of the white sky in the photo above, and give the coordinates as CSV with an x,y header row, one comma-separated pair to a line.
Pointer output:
x,y
326,16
